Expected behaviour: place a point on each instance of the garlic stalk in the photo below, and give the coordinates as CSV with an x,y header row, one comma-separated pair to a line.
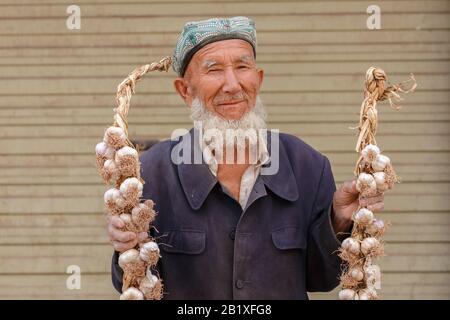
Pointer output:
x,y
118,164
375,174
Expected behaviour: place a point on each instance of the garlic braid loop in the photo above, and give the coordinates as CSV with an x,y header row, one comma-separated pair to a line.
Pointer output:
x,y
374,91
126,88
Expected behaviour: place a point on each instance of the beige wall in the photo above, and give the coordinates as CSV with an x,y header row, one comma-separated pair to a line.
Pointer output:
x,y
57,93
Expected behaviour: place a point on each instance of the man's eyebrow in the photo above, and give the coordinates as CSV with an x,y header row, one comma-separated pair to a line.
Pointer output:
x,y
209,63
245,58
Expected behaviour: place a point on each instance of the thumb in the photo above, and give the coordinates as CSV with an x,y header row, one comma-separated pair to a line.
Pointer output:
x,y
350,187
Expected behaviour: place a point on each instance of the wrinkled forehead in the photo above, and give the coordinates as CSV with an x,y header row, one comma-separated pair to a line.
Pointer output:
x,y
217,52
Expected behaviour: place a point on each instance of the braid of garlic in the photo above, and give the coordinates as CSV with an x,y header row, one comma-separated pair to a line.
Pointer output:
x,y
375,174
118,164
126,88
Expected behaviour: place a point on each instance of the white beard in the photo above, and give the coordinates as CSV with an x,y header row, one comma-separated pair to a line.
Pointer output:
x,y
252,121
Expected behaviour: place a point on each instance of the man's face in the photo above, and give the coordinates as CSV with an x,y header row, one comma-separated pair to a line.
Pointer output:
x,y
224,76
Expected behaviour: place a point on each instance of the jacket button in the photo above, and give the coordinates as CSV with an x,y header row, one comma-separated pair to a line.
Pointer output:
x,y
239,284
233,234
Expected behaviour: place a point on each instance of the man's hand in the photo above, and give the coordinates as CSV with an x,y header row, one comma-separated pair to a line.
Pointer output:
x,y
122,240
345,203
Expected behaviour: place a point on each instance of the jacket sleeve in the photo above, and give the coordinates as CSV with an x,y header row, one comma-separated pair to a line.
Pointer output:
x,y
323,263
116,272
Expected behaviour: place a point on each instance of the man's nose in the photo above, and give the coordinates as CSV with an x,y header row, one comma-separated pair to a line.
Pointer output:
x,y
231,82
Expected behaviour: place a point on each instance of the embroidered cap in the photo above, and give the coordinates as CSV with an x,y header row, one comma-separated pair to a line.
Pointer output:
x,y
197,34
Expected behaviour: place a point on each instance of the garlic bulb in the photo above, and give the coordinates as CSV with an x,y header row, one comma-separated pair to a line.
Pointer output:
x,y
148,283
367,294
115,137
149,252
103,150
347,294
127,151
136,212
351,245
380,180
373,275
110,170
110,165
380,163
153,280
142,215
363,216
376,228
121,203
110,195
110,153
127,257
127,160
370,152
131,183
100,148
356,274
113,198
151,286
131,189
368,245
150,246
132,294
114,201
366,184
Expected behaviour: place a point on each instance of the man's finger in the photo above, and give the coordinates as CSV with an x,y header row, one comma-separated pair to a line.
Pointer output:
x,y
124,246
350,187
122,236
142,236
371,200
117,222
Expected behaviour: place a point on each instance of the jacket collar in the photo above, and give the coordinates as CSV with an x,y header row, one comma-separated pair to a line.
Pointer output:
x,y
198,181
283,182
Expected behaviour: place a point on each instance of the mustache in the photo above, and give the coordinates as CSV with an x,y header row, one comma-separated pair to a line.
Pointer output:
x,y
225,98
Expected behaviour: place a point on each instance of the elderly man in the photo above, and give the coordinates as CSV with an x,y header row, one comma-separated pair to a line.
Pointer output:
x,y
235,229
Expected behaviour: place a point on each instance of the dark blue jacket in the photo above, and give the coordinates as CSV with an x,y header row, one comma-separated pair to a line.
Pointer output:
x,y
281,246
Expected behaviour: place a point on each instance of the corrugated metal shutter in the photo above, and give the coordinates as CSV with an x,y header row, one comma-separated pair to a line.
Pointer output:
x,y
57,90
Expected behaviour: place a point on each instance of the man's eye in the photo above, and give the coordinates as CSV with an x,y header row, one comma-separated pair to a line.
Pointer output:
x,y
242,67
213,70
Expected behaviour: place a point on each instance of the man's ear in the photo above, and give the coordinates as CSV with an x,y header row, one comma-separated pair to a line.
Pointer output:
x,y
260,76
183,90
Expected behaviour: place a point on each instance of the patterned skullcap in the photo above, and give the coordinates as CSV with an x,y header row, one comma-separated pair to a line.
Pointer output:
x,y
197,34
